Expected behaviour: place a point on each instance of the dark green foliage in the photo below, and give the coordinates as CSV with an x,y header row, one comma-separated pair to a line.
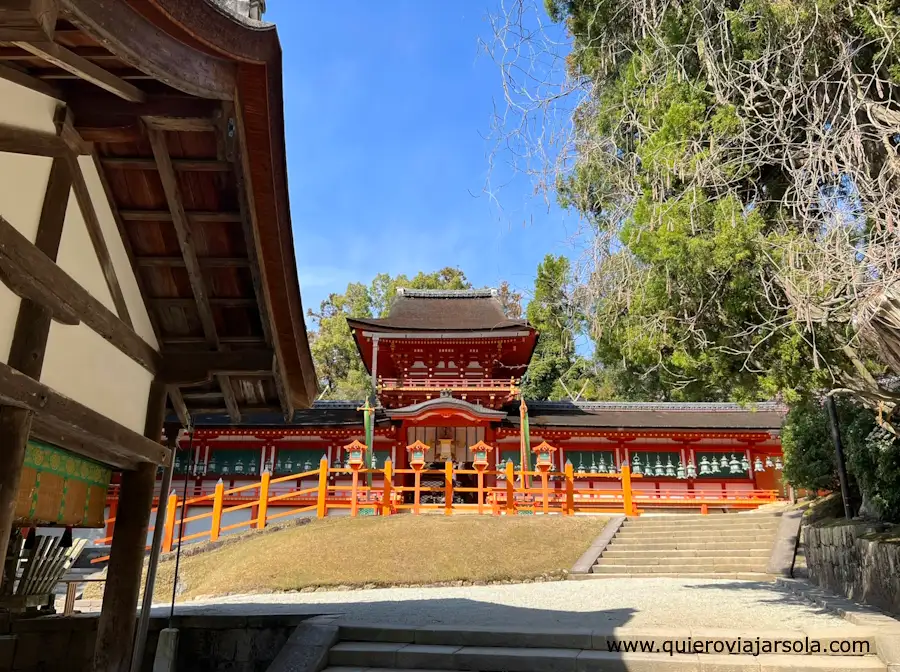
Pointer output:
x,y
875,461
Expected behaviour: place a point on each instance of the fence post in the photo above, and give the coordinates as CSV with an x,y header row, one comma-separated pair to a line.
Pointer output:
x,y
217,511
354,493
262,511
322,494
448,488
480,489
417,490
570,489
510,489
388,484
627,501
169,529
545,492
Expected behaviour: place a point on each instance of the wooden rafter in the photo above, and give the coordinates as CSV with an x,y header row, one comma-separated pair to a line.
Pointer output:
x,y
180,165
231,405
184,233
180,124
71,62
205,262
220,301
95,232
194,368
35,268
177,401
196,217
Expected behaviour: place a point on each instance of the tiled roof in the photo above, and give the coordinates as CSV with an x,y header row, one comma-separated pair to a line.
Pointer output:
x,y
444,310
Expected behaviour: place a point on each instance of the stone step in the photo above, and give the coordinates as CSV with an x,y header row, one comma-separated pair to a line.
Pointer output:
x,y
678,535
716,640
700,528
702,567
378,655
732,576
615,551
676,545
664,561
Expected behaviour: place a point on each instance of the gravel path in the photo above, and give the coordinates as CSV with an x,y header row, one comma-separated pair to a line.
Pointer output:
x,y
636,602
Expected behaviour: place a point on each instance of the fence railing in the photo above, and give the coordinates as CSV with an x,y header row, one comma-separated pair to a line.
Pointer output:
x,y
515,491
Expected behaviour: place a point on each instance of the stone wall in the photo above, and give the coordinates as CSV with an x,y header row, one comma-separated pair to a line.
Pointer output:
x,y
841,559
206,643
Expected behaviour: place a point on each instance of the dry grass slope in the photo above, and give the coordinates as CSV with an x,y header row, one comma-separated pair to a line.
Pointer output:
x,y
386,551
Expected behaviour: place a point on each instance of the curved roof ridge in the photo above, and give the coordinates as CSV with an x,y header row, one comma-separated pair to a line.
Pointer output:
x,y
487,293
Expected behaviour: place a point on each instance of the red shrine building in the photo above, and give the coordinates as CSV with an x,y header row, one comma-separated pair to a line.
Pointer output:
x,y
446,366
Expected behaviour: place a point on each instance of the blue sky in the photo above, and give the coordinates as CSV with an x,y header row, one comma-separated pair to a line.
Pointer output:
x,y
387,105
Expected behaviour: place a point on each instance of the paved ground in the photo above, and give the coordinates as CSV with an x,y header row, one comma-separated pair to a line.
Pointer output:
x,y
634,602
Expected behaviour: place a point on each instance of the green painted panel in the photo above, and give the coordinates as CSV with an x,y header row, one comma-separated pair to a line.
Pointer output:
x,y
50,459
296,461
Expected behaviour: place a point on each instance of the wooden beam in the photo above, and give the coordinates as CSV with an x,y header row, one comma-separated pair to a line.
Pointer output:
x,y
180,165
195,368
17,140
180,124
83,68
234,412
21,391
45,275
177,400
115,628
284,399
95,232
90,53
220,302
126,242
205,262
24,79
27,20
225,340
195,217
183,232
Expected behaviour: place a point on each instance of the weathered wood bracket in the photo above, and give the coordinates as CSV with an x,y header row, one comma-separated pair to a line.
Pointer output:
x,y
15,76
48,279
27,20
196,368
34,143
23,284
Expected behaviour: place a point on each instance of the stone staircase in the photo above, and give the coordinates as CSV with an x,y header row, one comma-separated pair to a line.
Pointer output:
x,y
521,649
734,545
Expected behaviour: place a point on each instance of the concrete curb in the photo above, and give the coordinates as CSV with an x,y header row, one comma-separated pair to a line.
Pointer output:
x,y
585,563
784,550
887,629
306,650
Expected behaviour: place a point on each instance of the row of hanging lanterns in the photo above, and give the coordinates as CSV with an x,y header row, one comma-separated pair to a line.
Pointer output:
x,y
727,464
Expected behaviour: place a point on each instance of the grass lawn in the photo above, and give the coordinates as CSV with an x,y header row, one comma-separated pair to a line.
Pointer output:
x,y
386,551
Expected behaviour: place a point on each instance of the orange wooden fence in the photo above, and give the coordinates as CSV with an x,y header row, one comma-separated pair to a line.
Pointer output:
x,y
516,492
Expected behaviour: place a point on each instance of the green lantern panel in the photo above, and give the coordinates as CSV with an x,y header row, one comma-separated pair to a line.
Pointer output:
x,y
233,463
592,461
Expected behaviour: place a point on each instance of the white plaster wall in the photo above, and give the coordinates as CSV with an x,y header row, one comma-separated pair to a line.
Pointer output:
x,y
78,258
124,272
23,183
80,364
